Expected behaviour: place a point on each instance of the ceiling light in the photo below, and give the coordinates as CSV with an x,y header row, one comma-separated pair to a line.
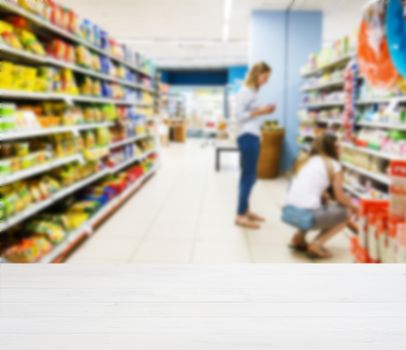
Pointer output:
x,y
228,7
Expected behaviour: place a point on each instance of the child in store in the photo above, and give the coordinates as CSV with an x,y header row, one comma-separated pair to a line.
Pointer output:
x,y
248,113
309,206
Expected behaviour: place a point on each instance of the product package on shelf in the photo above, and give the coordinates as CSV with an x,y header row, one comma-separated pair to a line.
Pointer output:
x,y
340,49
397,212
351,96
381,224
372,243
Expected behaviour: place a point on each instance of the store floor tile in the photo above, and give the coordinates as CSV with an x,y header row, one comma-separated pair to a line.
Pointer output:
x,y
186,212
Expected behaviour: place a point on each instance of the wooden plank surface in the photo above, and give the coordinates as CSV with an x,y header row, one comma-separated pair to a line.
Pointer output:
x,y
202,307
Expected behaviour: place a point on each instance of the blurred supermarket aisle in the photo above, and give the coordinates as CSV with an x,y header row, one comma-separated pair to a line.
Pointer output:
x,y
185,215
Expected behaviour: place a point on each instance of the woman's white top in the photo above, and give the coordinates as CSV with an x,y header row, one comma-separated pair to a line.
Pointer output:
x,y
310,183
246,102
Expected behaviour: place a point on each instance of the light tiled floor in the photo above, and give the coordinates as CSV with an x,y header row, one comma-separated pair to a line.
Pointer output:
x,y
185,214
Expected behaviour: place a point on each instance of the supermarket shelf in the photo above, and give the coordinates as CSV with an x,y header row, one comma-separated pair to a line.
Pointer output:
x,y
36,208
21,175
371,152
307,135
131,161
354,191
383,125
337,63
89,227
25,95
328,85
376,100
330,121
25,134
116,202
37,20
93,126
29,57
63,248
384,179
324,104
129,140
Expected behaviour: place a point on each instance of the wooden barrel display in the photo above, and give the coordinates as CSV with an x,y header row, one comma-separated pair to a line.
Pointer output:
x,y
271,151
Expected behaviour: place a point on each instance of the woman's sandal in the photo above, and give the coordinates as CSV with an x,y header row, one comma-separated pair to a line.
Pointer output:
x,y
301,248
255,217
318,253
246,223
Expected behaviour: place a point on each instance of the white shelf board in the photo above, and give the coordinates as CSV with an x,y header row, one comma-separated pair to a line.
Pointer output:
x,y
324,104
354,191
371,152
336,63
43,96
37,20
129,140
328,85
390,126
330,121
131,161
384,179
25,134
376,100
24,174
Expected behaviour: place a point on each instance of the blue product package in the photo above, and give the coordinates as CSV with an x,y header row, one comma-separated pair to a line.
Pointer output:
x,y
95,35
104,40
85,28
396,34
105,64
105,89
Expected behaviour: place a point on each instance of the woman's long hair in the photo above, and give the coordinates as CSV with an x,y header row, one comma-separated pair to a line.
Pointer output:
x,y
324,146
255,72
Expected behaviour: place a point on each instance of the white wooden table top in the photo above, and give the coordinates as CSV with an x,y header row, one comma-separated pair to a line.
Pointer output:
x,y
235,307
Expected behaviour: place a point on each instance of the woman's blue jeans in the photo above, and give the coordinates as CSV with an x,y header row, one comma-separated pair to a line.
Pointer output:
x,y
249,146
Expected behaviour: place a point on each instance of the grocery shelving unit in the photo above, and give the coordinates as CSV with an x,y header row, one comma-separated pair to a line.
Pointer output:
x,y
64,249
367,147
327,85
143,83
337,121
381,178
313,112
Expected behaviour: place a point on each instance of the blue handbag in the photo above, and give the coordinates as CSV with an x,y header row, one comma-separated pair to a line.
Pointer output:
x,y
303,219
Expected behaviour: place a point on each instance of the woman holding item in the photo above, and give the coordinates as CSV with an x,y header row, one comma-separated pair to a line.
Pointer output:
x,y
309,205
248,115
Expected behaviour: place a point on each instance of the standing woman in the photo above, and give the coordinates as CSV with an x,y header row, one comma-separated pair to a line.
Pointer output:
x,y
248,115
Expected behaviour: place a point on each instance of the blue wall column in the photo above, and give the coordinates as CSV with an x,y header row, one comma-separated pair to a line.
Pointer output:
x,y
285,40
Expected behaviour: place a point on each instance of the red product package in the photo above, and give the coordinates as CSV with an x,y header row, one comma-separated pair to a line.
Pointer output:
x,y
57,49
56,14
